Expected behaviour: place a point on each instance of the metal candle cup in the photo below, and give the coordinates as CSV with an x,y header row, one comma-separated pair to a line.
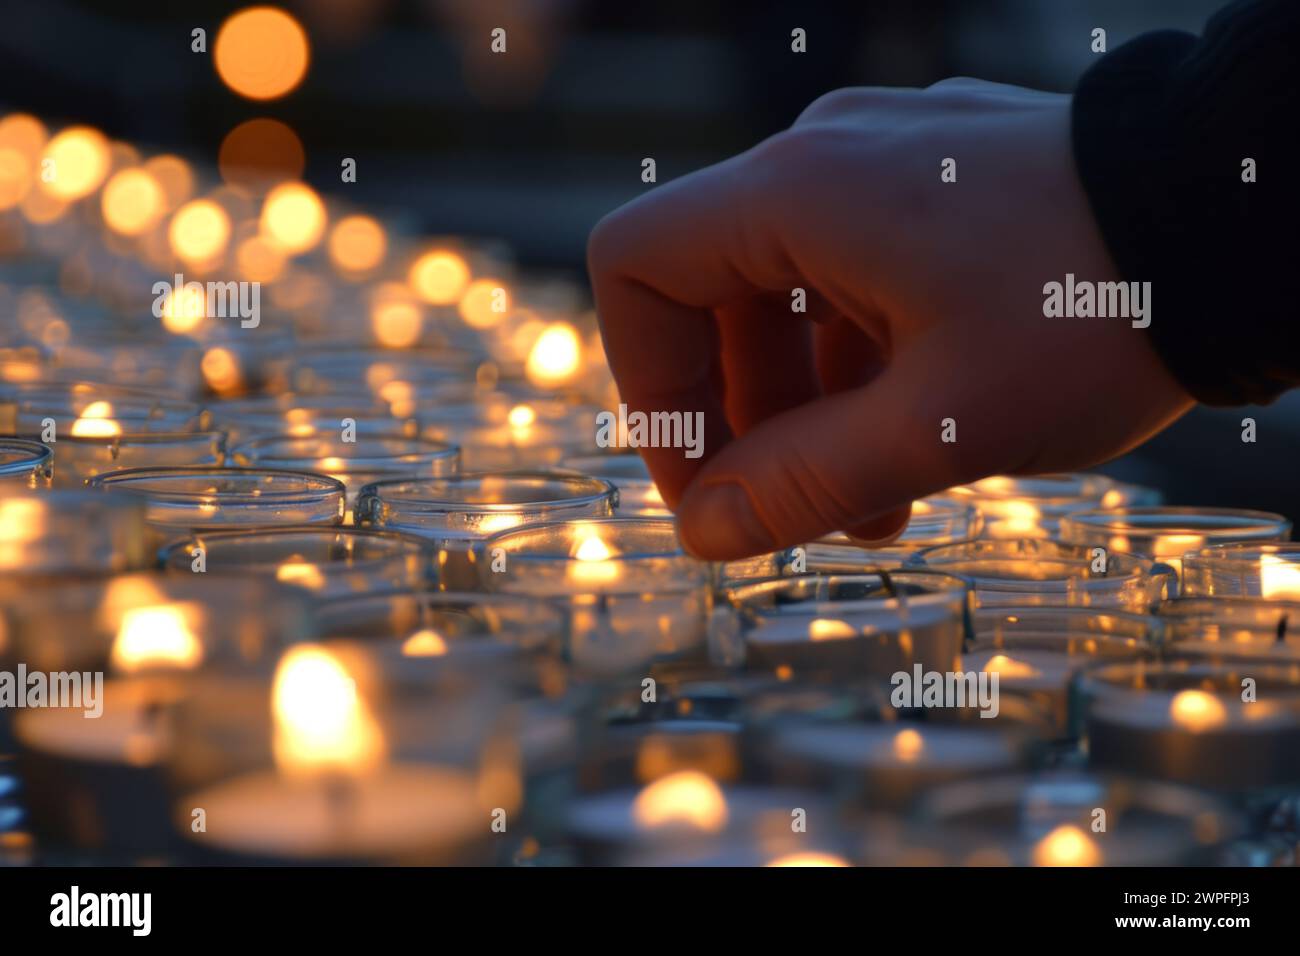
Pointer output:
x,y
457,513
850,626
327,561
632,594
1188,723
1035,572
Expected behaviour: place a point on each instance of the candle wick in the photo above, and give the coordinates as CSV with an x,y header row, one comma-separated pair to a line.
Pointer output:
x,y
1281,628
340,798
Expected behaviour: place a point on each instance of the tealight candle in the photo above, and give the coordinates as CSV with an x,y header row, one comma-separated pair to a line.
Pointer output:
x,y
305,415
935,521
1052,820
368,459
329,766
851,626
632,594
1229,727
350,369
1232,629
1037,651
91,767
25,463
180,501
47,534
92,410
1166,534
886,764
1032,507
1269,571
523,440
327,561
457,513
1033,571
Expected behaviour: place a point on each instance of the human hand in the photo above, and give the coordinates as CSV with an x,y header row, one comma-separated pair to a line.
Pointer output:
x,y
924,303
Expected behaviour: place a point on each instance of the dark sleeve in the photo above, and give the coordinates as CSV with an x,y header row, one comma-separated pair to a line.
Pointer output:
x,y
1161,127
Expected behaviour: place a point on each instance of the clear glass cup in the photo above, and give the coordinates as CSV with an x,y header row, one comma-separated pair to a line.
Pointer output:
x,y
179,501
1036,572
303,415
847,627
1232,628
459,511
632,593
638,496
1166,534
1032,507
368,459
57,532
78,459
1269,571
91,409
1195,722
24,463
328,561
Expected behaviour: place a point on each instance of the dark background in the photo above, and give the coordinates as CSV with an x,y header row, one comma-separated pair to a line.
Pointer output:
x,y
535,146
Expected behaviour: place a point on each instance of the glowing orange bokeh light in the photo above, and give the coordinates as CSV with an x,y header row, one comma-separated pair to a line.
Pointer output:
x,y
261,53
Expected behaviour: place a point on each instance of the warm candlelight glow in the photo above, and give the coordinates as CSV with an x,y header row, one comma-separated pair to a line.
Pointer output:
x,y
357,244
199,231
81,160
22,139
810,858
521,416
153,636
908,744
555,356
184,312
1279,579
261,53
1005,666
484,303
300,572
592,564
220,368
395,316
830,629
294,216
96,421
1067,845
424,643
321,721
686,797
1170,548
1019,519
1195,710
175,178
439,277
259,259
133,201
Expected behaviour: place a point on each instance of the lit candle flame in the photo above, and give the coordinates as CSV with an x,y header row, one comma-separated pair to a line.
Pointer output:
x,y
1067,845
686,797
1195,710
155,636
425,643
908,745
321,721
1005,666
1279,579
829,629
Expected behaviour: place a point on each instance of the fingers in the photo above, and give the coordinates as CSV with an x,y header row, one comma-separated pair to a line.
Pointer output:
x,y
852,461
659,267
767,359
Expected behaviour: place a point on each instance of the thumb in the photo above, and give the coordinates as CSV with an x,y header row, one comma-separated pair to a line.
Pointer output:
x,y
853,461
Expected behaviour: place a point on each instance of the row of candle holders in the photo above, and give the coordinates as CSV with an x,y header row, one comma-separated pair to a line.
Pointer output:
x,y
509,668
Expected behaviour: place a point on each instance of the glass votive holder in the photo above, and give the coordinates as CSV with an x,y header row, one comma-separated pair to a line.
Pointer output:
x,y
116,655
1268,571
1232,629
25,464
1227,727
368,459
847,627
1035,572
326,371
77,459
304,415
632,594
1056,819
179,501
638,496
524,440
458,512
1032,507
89,409
1037,651
332,757
886,765
1166,534
935,521
326,560
45,534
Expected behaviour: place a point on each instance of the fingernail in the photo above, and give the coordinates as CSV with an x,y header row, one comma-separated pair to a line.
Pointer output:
x,y
719,522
